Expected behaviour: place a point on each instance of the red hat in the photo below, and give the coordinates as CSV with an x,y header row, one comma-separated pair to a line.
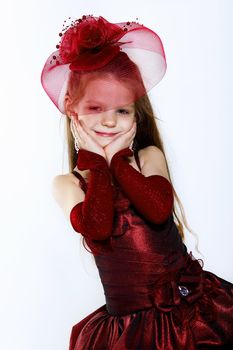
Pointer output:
x,y
91,43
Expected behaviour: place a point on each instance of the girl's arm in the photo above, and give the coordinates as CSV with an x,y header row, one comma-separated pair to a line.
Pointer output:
x,y
152,196
94,216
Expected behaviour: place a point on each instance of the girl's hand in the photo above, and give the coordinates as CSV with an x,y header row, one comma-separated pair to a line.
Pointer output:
x,y
121,142
83,138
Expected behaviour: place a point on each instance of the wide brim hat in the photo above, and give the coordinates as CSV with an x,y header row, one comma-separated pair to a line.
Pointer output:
x,y
90,43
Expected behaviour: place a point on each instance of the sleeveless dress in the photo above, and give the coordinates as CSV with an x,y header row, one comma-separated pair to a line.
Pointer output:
x,y
158,296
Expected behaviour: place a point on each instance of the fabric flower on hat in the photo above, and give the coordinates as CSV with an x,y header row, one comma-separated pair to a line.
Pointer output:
x,y
129,49
90,43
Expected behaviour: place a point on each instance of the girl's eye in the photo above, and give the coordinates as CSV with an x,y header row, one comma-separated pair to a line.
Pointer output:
x,y
94,108
123,111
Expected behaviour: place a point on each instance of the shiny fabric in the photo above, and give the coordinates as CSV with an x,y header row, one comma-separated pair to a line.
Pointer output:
x,y
157,294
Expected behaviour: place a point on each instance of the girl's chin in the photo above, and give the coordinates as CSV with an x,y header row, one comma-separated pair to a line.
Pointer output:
x,y
104,143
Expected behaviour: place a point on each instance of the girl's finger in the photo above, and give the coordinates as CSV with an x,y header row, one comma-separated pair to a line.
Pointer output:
x,y
132,130
79,127
83,128
83,133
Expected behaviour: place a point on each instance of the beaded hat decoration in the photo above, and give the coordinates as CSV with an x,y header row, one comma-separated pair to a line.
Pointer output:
x,y
92,44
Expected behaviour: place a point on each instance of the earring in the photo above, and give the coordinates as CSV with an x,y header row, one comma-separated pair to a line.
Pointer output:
x,y
131,145
73,131
76,145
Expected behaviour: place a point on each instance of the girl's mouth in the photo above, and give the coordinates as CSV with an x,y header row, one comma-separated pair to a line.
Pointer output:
x,y
105,134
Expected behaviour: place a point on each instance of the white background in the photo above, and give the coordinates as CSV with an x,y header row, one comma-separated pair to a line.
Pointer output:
x,y
48,281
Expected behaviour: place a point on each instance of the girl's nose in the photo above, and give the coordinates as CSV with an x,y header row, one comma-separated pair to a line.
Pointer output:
x,y
109,118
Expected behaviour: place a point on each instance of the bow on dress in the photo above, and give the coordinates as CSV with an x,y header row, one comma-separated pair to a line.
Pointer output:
x,y
185,291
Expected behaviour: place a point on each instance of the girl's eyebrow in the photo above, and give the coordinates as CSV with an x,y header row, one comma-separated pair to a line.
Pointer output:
x,y
98,102
93,101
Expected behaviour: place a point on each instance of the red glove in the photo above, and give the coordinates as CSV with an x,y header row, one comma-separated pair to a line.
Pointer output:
x,y
152,196
93,217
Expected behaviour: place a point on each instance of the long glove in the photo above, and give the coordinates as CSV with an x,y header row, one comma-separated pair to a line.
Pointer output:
x,y
93,217
152,196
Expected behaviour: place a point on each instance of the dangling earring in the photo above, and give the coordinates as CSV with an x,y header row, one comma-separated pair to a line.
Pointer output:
x,y
131,145
73,131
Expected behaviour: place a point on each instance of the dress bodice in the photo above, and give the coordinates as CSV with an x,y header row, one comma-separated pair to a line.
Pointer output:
x,y
157,294
139,260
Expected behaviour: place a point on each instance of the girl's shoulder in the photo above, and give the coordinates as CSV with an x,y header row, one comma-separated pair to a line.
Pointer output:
x,y
62,184
67,191
147,152
77,175
153,161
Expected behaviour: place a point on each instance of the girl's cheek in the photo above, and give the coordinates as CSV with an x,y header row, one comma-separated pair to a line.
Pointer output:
x,y
89,127
84,122
130,123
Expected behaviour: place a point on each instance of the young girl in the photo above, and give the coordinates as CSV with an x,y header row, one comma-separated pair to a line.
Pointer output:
x,y
120,198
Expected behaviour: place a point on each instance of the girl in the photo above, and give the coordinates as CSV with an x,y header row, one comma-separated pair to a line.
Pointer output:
x,y
120,198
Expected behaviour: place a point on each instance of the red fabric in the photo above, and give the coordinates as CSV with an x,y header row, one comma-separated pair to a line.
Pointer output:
x,y
93,217
129,50
144,308
152,196
89,44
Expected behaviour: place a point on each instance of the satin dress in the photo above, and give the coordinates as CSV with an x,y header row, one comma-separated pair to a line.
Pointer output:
x,y
158,296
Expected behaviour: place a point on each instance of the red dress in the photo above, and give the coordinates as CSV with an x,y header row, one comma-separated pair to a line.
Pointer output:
x,y
157,294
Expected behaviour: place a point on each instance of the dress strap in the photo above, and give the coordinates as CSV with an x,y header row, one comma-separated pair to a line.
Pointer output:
x,y
137,159
82,180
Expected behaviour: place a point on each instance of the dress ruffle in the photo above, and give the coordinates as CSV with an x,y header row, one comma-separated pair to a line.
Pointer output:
x,y
151,329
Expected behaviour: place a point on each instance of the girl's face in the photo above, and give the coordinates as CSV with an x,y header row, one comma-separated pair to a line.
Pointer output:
x,y
94,110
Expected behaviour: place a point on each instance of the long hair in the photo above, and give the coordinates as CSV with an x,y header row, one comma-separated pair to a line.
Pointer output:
x,y
147,133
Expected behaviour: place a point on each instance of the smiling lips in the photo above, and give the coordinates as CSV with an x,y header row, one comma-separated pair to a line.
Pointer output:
x,y
105,134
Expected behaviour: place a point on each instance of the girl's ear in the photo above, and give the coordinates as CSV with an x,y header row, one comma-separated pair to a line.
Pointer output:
x,y
67,104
